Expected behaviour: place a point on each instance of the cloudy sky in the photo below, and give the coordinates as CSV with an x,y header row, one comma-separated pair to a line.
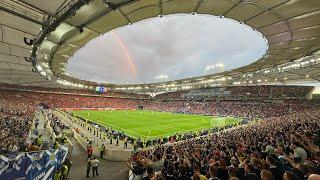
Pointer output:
x,y
178,46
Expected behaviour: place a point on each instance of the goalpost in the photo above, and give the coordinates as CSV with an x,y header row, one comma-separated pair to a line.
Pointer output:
x,y
221,122
212,121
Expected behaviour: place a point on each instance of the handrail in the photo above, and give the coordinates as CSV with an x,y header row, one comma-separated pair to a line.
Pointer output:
x,y
27,152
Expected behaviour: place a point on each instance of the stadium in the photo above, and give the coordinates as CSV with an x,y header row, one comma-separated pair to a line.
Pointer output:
x,y
160,89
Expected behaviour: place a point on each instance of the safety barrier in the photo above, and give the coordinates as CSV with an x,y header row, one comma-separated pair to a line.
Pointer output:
x,y
110,154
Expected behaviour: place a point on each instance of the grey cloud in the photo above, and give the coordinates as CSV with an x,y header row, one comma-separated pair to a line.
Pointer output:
x,y
179,46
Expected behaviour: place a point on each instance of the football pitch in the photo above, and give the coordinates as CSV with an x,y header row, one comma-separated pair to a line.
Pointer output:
x,y
151,124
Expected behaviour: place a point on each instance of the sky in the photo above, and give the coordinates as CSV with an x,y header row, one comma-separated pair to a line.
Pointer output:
x,y
178,46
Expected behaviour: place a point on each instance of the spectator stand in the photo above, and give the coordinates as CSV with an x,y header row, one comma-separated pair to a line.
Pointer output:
x,y
280,144
133,176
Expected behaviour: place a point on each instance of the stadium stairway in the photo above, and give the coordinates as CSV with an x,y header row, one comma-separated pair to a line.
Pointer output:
x,y
107,170
42,128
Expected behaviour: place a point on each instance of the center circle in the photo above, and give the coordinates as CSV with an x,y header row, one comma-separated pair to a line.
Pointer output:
x,y
167,48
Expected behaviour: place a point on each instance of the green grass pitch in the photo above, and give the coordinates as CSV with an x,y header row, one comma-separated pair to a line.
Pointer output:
x,y
150,124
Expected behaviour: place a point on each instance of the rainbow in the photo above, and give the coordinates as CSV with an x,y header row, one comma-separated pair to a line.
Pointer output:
x,y
126,52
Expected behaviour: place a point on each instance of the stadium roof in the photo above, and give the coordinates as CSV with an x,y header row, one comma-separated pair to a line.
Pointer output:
x,y
39,36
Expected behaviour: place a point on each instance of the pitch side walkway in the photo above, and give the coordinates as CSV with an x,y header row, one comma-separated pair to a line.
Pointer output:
x,y
107,170
96,141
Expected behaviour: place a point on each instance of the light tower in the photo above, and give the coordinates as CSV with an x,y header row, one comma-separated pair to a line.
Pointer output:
x,y
161,78
214,68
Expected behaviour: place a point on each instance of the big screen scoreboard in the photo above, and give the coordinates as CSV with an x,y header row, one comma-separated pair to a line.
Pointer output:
x,y
100,89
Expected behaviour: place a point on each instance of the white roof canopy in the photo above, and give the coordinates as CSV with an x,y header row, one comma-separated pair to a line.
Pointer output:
x,y
291,27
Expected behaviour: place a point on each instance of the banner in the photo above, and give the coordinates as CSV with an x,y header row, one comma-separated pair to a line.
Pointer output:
x,y
12,166
33,165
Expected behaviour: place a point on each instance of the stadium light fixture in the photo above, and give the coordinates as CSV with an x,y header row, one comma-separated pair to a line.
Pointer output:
x,y
218,66
39,68
46,65
43,73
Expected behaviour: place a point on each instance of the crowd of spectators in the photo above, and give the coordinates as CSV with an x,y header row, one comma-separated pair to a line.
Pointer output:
x,y
14,130
18,106
108,93
283,147
30,100
270,91
230,92
240,92
27,101
56,123
244,109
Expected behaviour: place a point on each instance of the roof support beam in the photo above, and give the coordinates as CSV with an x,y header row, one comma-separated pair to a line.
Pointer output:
x,y
53,23
125,16
61,5
287,18
197,6
34,7
277,33
11,55
22,16
230,9
20,77
15,45
265,11
299,39
32,82
10,63
17,72
160,8
17,29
